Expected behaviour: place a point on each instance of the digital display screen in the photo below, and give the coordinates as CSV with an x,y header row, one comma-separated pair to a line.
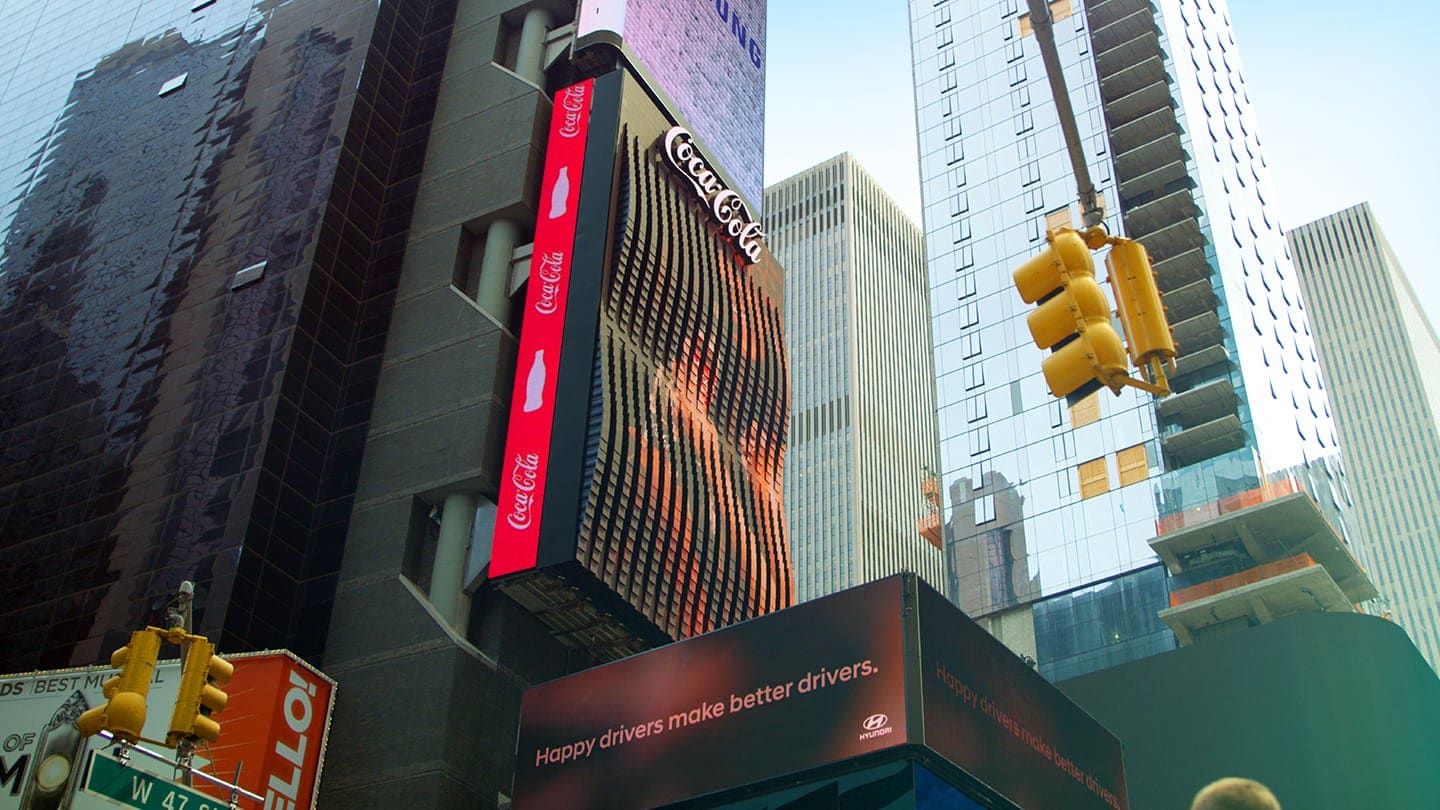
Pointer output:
x,y
815,684
532,409
708,58
999,721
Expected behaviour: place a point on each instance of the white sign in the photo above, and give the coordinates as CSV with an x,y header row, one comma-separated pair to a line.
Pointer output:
x,y
727,208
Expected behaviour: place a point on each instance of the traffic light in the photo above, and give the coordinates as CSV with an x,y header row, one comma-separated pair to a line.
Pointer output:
x,y
1147,333
123,714
199,696
1073,318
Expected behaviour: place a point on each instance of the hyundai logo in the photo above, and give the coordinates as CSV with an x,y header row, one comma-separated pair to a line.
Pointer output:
x,y
875,722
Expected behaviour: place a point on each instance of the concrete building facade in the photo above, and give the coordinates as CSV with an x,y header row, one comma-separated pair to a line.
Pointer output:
x,y
857,329
1379,352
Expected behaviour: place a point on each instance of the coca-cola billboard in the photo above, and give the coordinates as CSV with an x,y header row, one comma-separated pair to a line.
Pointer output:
x,y
532,416
706,58
650,409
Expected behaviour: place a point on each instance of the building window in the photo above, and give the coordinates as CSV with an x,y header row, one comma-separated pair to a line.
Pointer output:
x,y
1133,465
1034,200
1059,218
1085,411
959,203
975,408
984,509
980,440
1030,173
1094,478
1059,10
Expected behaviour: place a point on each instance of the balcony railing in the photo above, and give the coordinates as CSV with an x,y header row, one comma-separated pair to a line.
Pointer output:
x,y
1247,577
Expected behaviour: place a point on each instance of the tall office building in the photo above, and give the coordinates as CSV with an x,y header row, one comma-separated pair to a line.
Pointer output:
x,y
203,215
1380,354
857,328
1096,492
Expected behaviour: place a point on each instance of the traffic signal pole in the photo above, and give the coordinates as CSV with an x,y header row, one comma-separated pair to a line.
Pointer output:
x,y
1073,317
1092,213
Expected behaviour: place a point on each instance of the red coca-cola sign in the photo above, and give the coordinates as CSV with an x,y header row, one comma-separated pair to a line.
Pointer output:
x,y
532,407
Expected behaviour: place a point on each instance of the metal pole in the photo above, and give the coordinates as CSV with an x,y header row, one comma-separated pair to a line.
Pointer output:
x,y
1091,212
182,617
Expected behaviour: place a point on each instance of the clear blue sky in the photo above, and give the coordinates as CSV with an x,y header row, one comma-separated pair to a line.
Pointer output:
x,y
1345,94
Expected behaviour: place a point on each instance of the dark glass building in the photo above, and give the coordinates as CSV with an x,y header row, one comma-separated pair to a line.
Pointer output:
x,y
204,213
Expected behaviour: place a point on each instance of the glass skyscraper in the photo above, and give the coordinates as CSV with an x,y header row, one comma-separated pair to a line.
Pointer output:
x,y
1095,490
1377,346
862,450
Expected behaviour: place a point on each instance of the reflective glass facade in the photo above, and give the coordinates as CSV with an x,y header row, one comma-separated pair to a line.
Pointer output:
x,y
857,327
163,420
1367,318
1166,125
1103,625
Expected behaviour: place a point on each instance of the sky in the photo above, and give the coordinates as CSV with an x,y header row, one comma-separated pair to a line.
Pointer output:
x,y
1344,93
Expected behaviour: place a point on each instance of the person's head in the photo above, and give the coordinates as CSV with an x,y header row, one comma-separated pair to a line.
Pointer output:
x,y
1232,793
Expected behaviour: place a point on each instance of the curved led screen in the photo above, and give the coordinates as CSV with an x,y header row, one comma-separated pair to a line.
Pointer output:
x,y
684,504
670,391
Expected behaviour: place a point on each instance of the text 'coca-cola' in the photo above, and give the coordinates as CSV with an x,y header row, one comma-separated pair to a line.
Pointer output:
x,y
725,205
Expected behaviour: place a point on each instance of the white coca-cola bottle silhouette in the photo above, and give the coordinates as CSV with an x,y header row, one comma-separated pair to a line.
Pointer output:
x,y
560,194
535,383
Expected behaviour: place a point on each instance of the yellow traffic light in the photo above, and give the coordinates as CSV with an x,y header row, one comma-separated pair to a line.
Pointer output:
x,y
199,696
1142,314
1073,317
123,715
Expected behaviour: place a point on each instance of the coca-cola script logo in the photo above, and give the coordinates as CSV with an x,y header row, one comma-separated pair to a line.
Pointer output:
x,y
726,206
524,477
572,110
550,270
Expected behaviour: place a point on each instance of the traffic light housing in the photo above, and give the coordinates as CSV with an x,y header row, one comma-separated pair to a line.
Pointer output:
x,y
123,714
1142,313
202,674
1073,318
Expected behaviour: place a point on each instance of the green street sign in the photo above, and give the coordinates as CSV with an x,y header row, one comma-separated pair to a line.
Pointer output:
x,y
132,787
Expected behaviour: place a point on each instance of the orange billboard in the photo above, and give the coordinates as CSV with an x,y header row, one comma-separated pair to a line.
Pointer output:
x,y
275,727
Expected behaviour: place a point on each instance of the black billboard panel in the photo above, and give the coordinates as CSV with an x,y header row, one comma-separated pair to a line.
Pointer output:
x,y
889,669
818,683
989,713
